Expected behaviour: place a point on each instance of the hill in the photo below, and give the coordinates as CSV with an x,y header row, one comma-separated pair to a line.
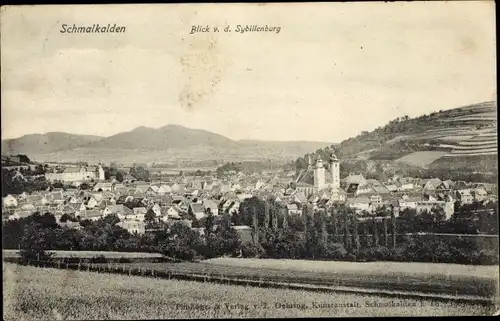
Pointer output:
x,y
444,138
150,145
45,143
164,138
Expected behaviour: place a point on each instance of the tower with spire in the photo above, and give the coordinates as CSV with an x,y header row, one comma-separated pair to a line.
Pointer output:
x,y
334,168
319,174
102,177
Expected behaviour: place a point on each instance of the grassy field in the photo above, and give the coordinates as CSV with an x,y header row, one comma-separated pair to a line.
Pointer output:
x,y
88,254
422,159
39,294
414,268
413,277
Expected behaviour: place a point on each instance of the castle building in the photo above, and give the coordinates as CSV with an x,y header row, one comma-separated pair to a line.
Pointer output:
x,y
74,174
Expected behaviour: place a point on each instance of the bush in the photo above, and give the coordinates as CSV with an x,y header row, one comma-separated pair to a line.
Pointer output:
x,y
35,255
381,253
124,260
249,250
335,251
350,257
398,254
487,256
99,259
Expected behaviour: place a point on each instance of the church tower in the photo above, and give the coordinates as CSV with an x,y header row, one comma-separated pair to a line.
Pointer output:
x,y
335,171
102,177
319,174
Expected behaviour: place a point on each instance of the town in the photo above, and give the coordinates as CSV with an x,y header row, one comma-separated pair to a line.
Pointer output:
x,y
89,195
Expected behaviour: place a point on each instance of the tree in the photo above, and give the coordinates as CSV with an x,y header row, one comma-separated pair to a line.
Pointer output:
x,y
140,173
150,219
266,214
35,243
84,186
181,242
255,227
64,218
284,225
209,222
355,234
119,176
111,219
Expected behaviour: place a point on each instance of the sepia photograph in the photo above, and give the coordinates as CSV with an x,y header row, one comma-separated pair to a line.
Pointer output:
x,y
237,160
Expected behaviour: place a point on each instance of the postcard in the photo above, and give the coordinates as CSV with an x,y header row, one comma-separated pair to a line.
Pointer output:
x,y
254,160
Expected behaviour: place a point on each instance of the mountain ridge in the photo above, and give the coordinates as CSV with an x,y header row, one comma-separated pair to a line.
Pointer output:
x,y
165,142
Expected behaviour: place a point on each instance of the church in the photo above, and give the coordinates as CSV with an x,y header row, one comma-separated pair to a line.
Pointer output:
x,y
321,180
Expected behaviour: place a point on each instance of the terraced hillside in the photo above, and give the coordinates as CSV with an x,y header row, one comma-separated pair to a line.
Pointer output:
x,y
443,136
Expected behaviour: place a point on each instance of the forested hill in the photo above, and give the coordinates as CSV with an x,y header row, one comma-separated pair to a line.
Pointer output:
x,y
443,137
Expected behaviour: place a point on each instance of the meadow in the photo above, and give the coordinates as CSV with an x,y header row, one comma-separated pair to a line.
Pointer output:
x,y
427,278
32,293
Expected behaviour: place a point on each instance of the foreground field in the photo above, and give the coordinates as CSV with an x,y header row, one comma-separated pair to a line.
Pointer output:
x,y
384,268
406,277
34,293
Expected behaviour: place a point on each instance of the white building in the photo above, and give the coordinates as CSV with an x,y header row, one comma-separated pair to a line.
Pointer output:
x,y
75,174
9,201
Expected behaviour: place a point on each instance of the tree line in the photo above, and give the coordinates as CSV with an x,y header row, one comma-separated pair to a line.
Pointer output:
x,y
335,233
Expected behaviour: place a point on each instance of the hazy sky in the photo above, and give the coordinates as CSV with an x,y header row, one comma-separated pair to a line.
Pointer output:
x,y
332,71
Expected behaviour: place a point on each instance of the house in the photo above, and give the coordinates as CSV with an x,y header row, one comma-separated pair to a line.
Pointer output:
x,y
178,188
36,199
169,212
392,187
355,179
152,190
432,184
465,196
71,200
234,208
90,201
409,202
376,200
102,187
164,189
197,210
9,201
448,207
381,190
293,209
92,215
479,194
56,197
211,205
141,187
28,207
156,209
334,195
20,214
299,197
133,226
408,186
444,186
139,213
77,208
120,210
361,203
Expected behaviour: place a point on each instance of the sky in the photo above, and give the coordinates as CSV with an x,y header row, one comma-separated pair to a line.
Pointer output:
x,y
332,71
